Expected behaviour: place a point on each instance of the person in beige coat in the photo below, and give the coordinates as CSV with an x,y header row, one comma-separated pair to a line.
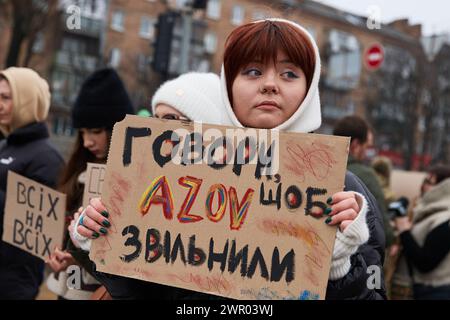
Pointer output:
x,y
26,150
426,239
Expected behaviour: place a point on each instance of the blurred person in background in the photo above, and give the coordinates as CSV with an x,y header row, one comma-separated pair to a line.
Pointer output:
x,y
101,102
426,239
26,150
362,140
383,170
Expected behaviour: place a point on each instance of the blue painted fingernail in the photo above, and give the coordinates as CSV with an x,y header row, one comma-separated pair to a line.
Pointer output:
x,y
329,200
328,211
328,220
103,230
106,223
95,235
105,213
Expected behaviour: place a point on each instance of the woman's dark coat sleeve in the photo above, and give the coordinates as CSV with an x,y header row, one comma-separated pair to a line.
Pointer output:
x,y
355,284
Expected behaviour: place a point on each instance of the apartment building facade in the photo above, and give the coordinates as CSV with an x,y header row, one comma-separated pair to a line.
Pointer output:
x,y
121,34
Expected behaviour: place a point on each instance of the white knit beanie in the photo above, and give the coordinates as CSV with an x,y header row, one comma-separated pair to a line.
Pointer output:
x,y
196,95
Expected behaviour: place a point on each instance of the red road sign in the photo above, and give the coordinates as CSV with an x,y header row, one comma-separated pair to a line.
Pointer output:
x,y
374,56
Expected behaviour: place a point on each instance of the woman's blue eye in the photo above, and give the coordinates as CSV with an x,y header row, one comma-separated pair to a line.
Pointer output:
x,y
252,72
290,74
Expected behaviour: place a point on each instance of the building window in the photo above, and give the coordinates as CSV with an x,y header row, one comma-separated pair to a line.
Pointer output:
x,y
237,15
65,86
88,8
312,32
39,43
117,21
180,3
147,29
56,126
59,86
115,58
62,127
73,45
142,62
210,42
344,61
213,9
203,66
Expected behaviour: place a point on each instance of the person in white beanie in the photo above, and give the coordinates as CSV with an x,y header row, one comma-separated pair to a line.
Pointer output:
x,y
192,96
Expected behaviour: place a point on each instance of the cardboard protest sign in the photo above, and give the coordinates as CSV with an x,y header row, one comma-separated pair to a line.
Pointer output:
x,y
95,176
34,216
191,207
407,183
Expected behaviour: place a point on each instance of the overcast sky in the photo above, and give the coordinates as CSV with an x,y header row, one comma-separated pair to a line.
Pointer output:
x,y
434,15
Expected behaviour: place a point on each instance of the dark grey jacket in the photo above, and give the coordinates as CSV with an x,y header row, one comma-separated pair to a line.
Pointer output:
x,y
354,285
26,151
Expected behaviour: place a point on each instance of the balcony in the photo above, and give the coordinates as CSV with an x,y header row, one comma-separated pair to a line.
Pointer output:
x,y
79,62
88,26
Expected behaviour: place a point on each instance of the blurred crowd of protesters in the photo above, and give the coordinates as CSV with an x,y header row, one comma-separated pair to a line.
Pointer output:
x,y
416,236
417,262
424,236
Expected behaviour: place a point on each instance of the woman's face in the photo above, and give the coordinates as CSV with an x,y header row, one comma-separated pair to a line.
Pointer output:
x,y
6,103
164,111
265,96
96,141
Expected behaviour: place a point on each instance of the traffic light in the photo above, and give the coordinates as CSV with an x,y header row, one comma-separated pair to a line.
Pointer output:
x,y
163,42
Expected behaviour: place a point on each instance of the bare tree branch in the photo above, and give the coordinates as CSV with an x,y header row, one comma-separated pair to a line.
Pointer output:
x,y
28,18
393,99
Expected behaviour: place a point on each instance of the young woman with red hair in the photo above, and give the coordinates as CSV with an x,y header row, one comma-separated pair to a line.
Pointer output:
x,y
270,80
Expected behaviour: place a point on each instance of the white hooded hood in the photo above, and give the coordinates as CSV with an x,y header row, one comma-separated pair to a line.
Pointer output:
x,y
307,118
